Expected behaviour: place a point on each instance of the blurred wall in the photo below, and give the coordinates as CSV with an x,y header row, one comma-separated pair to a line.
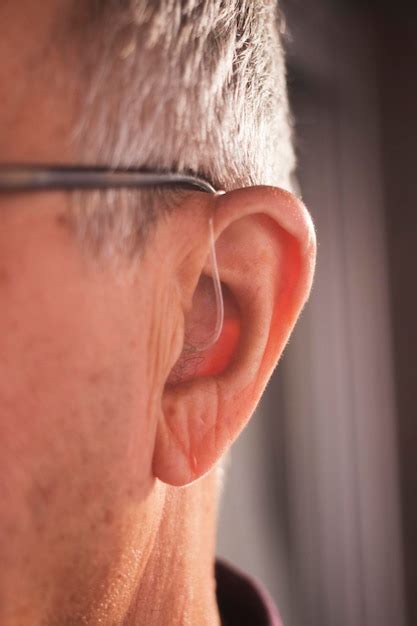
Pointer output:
x,y
398,91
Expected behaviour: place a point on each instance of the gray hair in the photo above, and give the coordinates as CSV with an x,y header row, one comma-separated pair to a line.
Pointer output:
x,y
186,85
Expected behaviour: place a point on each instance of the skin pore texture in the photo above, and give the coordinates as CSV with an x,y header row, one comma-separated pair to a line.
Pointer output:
x,y
109,435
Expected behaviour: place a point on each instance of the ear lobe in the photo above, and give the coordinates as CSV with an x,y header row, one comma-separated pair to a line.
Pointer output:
x,y
266,254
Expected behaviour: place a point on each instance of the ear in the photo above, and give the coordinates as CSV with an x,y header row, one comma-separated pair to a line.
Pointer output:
x,y
265,244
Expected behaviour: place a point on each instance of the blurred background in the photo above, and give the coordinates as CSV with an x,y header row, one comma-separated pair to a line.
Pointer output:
x,y
320,500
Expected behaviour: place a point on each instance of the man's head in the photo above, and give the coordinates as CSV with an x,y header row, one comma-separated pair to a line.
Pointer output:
x,y
97,436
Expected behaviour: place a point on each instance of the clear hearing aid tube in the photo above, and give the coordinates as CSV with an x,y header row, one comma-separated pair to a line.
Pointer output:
x,y
217,289
217,295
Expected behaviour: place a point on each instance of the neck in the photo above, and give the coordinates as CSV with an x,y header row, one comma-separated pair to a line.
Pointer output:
x,y
177,585
159,570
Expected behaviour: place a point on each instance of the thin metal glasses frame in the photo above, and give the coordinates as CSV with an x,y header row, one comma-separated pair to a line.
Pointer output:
x,y
16,178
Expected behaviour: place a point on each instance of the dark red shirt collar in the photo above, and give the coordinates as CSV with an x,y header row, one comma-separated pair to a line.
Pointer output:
x,y
243,601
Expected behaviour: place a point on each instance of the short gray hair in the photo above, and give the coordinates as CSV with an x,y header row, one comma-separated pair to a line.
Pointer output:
x,y
188,85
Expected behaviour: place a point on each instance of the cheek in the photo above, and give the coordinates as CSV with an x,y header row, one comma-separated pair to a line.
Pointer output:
x,y
72,401
69,381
